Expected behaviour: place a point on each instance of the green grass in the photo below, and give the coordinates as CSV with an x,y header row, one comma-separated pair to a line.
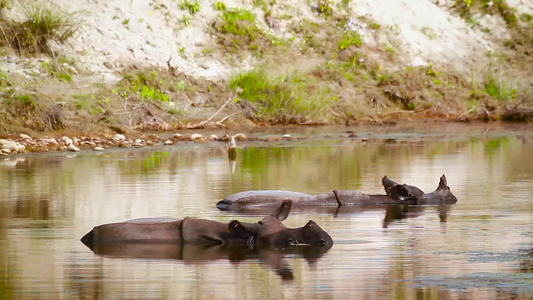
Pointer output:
x,y
89,103
66,60
26,100
467,8
154,94
64,77
83,101
525,17
350,38
389,48
146,87
429,32
498,87
353,70
286,99
237,30
239,22
472,22
5,4
57,70
220,6
324,7
4,80
186,21
182,86
192,6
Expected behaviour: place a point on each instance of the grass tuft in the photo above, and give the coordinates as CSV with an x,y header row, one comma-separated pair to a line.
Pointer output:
x,y
323,7
44,22
220,6
237,30
239,22
467,8
5,4
497,86
350,38
192,6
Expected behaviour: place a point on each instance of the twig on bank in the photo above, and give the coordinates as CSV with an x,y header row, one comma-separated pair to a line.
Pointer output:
x,y
229,116
208,120
399,112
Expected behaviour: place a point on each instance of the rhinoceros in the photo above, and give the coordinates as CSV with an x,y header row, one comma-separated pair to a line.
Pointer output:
x,y
395,194
269,232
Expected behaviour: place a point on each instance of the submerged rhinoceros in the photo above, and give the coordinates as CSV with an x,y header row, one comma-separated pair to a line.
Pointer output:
x,y
267,232
395,194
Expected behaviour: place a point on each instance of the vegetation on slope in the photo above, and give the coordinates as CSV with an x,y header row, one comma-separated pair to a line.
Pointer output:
x,y
319,71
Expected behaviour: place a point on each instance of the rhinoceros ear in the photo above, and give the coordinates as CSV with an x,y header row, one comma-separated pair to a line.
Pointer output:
x,y
235,224
387,183
283,211
410,191
238,229
443,183
396,192
404,192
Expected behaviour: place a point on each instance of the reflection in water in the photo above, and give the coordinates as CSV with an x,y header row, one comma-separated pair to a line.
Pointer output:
x,y
526,266
392,212
48,201
30,208
198,254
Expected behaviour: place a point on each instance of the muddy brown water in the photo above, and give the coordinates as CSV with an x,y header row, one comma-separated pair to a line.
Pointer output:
x,y
479,248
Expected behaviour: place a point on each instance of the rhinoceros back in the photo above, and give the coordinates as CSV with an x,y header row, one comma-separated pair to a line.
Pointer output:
x,y
325,199
152,220
350,197
149,230
261,193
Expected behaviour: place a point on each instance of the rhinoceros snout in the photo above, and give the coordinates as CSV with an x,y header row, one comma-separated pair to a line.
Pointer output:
x,y
224,204
451,200
87,239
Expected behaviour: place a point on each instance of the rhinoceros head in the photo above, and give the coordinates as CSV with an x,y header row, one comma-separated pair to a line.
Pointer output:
x,y
443,194
270,231
403,193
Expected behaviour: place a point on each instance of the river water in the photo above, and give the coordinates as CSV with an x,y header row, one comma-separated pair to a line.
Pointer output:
x,y
480,248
